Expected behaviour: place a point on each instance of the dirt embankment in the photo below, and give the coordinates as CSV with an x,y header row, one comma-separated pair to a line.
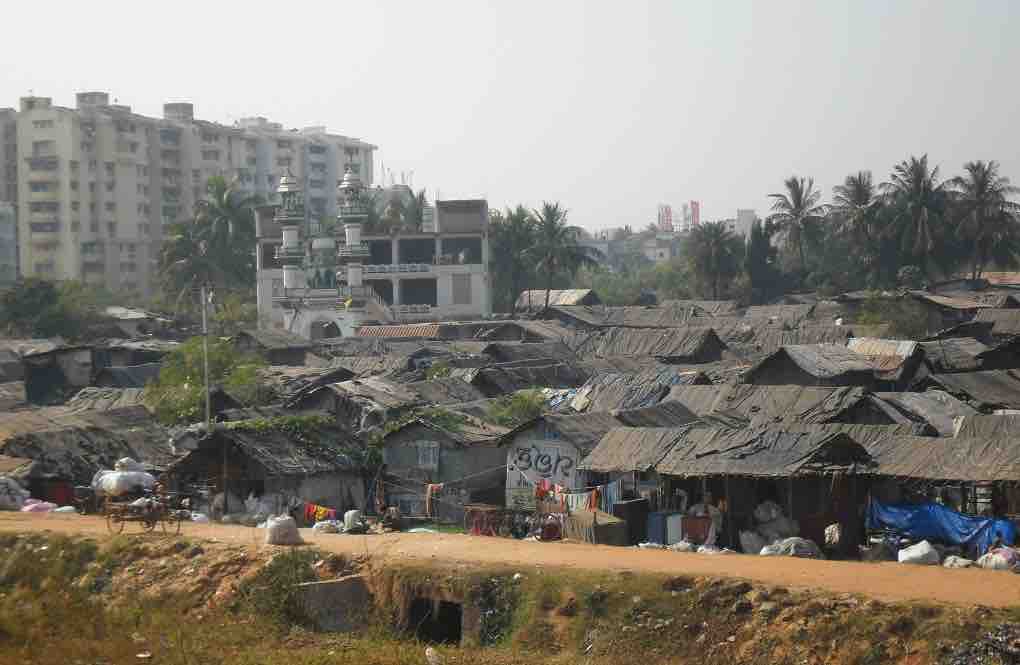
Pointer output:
x,y
185,600
888,582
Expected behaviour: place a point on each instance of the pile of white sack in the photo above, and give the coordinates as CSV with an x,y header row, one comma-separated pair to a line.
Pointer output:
x,y
922,553
1001,558
282,530
127,476
12,495
253,511
774,528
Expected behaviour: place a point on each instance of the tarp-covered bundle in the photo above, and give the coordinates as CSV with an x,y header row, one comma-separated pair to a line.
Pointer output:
x,y
933,521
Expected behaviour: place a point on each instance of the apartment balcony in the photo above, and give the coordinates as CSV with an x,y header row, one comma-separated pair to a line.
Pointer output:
x,y
353,251
396,268
290,256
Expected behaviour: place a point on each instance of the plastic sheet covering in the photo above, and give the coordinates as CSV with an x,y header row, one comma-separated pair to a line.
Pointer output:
x,y
933,521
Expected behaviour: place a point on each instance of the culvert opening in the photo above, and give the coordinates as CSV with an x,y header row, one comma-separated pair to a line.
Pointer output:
x,y
436,621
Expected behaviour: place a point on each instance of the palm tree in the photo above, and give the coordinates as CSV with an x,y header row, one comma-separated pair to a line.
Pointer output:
x,y
225,223
797,213
917,203
414,211
185,263
556,249
855,212
986,218
712,253
512,232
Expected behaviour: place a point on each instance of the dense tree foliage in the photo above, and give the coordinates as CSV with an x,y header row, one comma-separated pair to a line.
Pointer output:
x,y
178,395
39,308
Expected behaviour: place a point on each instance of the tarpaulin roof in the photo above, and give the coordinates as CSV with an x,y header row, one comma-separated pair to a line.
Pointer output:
x,y
510,377
937,408
766,453
713,307
797,403
132,376
75,444
583,431
955,354
279,452
973,459
664,414
275,339
988,426
445,391
821,361
786,313
862,434
625,449
1004,321
695,343
618,390
601,316
990,388
502,352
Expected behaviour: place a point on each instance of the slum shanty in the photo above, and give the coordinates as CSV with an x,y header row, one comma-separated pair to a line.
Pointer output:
x,y
790,428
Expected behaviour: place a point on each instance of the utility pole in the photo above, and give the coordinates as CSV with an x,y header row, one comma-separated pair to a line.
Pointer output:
x,y
208,401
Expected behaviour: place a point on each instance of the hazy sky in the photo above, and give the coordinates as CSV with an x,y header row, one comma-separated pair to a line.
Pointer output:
x,y
608,107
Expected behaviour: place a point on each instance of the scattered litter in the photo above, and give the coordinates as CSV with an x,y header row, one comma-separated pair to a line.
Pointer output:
x,y
325,526
798,547
65,510
712,549
201,518
421,529
995,560
1001,645
953,561
651,546
37,506
921,553
683,546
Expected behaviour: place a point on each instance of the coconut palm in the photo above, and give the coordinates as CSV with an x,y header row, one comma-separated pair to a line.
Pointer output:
x,y
855,213
917,203
797,214
713,254
556,250
512,233
986,218
225,224
414,211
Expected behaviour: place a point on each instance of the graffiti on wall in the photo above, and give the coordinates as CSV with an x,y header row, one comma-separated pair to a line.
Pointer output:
x,y
556,463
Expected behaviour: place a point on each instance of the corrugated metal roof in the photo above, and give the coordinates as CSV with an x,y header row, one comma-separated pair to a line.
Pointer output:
x,y
873,346
1002,278
949,303
535,298
1004,321
427,330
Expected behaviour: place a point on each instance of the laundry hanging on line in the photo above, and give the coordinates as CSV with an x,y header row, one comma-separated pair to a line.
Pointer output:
x,y
315,513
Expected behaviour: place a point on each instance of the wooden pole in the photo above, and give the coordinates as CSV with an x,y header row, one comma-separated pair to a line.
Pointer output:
x,y
729,510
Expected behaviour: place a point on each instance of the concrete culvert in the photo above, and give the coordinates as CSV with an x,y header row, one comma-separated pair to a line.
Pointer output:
x,y
436,621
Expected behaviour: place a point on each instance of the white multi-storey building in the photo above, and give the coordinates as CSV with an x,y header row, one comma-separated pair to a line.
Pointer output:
x,y
95,185
317,283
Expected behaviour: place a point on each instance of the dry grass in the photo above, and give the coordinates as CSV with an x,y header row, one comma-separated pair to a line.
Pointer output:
x,y
60,603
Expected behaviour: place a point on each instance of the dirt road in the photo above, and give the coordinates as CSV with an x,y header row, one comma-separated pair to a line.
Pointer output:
x,y
886,581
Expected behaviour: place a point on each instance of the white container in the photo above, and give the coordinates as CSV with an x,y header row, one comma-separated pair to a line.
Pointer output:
x,y
674,528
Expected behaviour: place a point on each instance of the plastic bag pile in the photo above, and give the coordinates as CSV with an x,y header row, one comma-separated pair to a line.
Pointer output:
x,y
776,535
127,476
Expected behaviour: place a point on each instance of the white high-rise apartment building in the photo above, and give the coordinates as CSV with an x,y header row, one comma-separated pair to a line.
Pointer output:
x,y
96,184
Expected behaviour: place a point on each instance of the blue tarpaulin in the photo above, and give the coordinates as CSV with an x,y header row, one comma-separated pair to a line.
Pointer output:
x,y
933,521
